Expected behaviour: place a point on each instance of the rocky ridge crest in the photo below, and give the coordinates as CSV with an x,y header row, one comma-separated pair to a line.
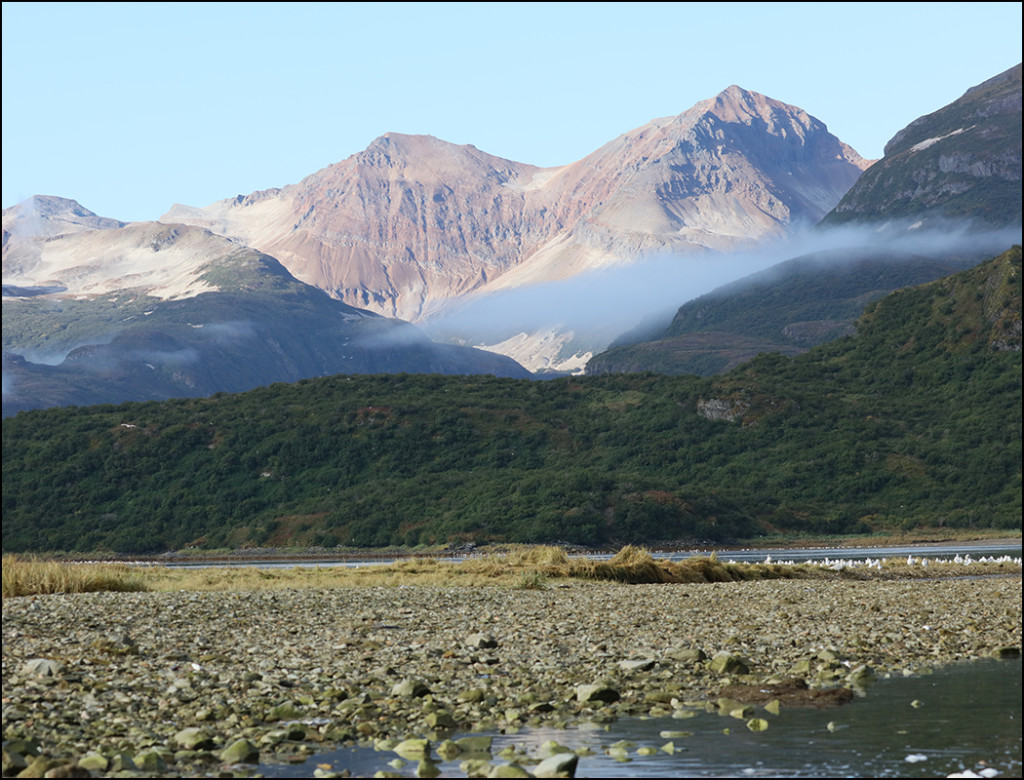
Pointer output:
x,y
412,222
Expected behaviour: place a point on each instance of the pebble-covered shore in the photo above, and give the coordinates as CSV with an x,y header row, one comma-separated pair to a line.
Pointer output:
x,y
195,684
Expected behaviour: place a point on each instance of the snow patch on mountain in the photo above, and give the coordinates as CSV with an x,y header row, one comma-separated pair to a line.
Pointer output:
x,y
542,351
918,147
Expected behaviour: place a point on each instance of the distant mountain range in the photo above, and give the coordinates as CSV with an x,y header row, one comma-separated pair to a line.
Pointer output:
x,y
946,195
290,283
412,222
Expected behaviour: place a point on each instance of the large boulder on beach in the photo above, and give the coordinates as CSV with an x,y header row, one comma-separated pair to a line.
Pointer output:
x,y
410,689
151,762
14,762
284,711
724,662
241,751
193,738
413,748
90,762
558,765
637,664
862,676
475,744
40,766
686,655
481,641
42,667
597,694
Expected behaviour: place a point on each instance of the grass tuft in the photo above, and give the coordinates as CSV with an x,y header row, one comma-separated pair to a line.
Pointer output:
x,y
531,580
630,564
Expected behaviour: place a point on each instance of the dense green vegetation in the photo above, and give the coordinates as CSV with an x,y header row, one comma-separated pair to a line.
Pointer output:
x,y
913,422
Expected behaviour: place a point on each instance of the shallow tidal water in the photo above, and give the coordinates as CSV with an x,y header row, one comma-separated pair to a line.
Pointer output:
x,y
963,717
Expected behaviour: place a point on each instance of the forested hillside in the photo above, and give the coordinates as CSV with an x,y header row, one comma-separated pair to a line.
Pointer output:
x,y
913,422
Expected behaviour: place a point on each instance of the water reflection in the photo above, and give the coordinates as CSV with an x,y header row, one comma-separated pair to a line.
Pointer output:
x,y
963,717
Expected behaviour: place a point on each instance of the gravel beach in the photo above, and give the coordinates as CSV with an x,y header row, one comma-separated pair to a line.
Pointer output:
x,y
191,683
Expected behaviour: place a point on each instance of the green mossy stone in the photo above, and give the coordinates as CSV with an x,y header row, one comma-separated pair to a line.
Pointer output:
x,y
241,751
93,762
284,711
475,744
413,748
150,761
560,765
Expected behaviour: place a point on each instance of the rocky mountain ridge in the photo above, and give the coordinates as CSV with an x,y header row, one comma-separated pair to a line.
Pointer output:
x,y
413,223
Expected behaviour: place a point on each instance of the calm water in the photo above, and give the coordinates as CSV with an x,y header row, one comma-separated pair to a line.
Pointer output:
x,y
967,716
975,550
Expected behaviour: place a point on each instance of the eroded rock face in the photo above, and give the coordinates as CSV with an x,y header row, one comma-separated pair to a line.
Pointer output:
x,y
412,221
721,409
407,220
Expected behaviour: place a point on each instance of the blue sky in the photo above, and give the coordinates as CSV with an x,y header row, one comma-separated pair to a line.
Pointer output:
x,y
129,108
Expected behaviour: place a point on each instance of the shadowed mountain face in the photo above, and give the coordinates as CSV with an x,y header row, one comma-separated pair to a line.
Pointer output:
x,y
152,310
946,195
413,222
788,308
961,162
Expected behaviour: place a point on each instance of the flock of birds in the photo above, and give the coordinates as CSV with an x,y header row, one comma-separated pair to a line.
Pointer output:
x,y
876,563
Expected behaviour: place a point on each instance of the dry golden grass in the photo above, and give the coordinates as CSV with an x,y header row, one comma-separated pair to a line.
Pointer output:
x,y
27,576
541,555
524,568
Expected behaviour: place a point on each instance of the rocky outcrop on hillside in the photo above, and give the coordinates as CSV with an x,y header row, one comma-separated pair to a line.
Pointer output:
x,y
962,162
412,222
